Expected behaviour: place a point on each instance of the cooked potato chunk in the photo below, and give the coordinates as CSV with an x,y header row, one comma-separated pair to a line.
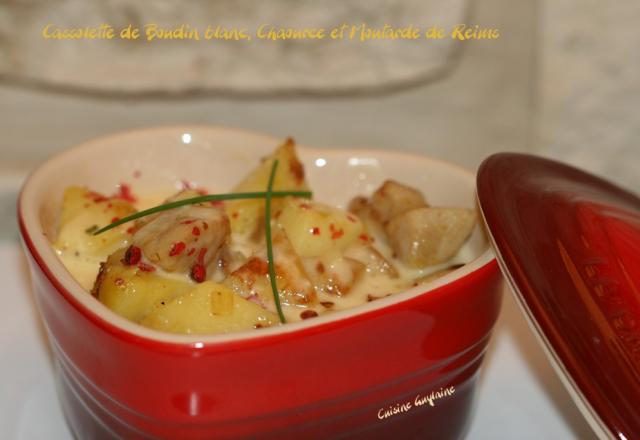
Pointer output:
x,y
393,199
426,236
209,308
83,211
131,290
373,260
255,283
294,285
335,274
251,280
179,238
247,215
315,229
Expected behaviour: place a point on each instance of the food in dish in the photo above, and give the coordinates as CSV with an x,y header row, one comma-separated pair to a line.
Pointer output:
x,y
204,268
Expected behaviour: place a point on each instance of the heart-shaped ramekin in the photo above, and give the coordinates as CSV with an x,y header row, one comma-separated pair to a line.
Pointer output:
x,y
404,366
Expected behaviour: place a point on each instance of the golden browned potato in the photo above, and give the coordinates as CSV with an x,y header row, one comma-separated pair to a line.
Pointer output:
x,y
373,260
335,274
247,216
82,213
251,280
209,308
427,236
294,285
134,290
315,229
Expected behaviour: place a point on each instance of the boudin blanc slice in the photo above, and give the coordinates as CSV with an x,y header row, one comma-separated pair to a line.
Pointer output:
x,y
427,236
179,239
393,199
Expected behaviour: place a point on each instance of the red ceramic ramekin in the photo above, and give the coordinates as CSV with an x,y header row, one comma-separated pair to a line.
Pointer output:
x,y
404,366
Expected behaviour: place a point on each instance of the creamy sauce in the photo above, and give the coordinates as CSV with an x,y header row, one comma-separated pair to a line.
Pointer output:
x,y
374,285
83,266
83,269
370,284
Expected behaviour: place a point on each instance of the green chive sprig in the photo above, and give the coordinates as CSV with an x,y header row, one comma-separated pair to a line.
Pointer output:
x,y
201,199
267,229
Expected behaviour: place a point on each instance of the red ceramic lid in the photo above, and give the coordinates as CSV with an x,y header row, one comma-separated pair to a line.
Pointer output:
x,y
569,244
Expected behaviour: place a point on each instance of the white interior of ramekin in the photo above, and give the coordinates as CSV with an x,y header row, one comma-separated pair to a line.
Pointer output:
x,y
217,158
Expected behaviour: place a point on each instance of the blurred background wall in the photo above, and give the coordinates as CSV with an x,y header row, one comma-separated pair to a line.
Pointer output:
x,y
589,86
455,100
561,81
